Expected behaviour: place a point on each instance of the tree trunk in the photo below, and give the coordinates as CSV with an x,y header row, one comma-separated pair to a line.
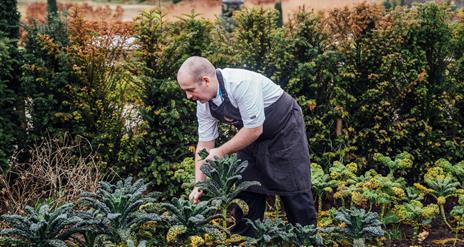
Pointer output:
x,y
338,127
52,8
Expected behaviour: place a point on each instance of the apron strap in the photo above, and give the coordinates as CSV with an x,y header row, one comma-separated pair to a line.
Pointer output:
x,y
221,84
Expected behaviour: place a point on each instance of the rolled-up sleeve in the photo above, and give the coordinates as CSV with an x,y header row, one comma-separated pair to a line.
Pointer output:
x,y
207,124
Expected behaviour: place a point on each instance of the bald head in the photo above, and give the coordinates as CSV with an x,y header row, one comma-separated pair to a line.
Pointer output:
x,y
194,68
197,77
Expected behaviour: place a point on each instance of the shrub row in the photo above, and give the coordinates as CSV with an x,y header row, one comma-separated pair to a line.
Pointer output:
x,y
369,81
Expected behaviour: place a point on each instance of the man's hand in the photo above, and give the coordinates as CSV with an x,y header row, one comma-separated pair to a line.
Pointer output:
x,y
195,195
215,153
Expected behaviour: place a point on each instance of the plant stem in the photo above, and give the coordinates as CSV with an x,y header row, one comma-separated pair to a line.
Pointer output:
x,y
319,203
277,207
224,218
382,212
443,215
415,231
359,242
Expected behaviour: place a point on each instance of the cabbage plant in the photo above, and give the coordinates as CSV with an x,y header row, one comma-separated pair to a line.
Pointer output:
x,y
440,185
224,182
358,225
188,220
415,214
43,226
114,210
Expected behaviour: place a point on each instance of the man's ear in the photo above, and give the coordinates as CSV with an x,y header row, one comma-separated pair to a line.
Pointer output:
x,y
207,80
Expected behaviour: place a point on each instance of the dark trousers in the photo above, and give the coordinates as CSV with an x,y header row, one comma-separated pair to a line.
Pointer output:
x,y
299,208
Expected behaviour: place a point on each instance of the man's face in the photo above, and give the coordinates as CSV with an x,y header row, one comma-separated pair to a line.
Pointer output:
x,y
194,90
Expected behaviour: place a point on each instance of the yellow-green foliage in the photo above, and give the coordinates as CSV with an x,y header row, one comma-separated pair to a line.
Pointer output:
x,y
402,162
320,180
184,174
414,213
441,185
458,214
378,189
457,170
321,183
174,232
342,175
341,172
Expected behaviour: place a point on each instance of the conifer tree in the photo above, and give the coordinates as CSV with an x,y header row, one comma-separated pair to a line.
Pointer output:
x,y
11,104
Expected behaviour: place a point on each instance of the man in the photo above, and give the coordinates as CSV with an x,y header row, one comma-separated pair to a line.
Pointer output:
x,y
271,137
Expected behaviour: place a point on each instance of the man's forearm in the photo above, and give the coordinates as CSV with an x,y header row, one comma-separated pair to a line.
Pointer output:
x,y
199,176
242,139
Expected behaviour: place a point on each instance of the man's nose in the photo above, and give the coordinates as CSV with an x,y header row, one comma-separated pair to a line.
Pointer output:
x,y
189,95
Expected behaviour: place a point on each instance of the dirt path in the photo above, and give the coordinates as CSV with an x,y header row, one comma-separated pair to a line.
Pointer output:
x,y
211,8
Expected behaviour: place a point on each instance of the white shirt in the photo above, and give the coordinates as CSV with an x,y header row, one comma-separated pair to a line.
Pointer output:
x,y
249,91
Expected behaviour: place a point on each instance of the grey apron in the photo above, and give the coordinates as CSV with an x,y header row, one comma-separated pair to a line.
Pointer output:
x,y
279,158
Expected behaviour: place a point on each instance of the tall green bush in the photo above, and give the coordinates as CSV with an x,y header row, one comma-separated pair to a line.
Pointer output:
x,y
169,117
76,75
258,43
8,126
99,94
9,19
46,73
395,72
11,102
314,79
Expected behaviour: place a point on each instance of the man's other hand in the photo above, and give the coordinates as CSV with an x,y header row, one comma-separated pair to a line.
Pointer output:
x,y
195,195
215,153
